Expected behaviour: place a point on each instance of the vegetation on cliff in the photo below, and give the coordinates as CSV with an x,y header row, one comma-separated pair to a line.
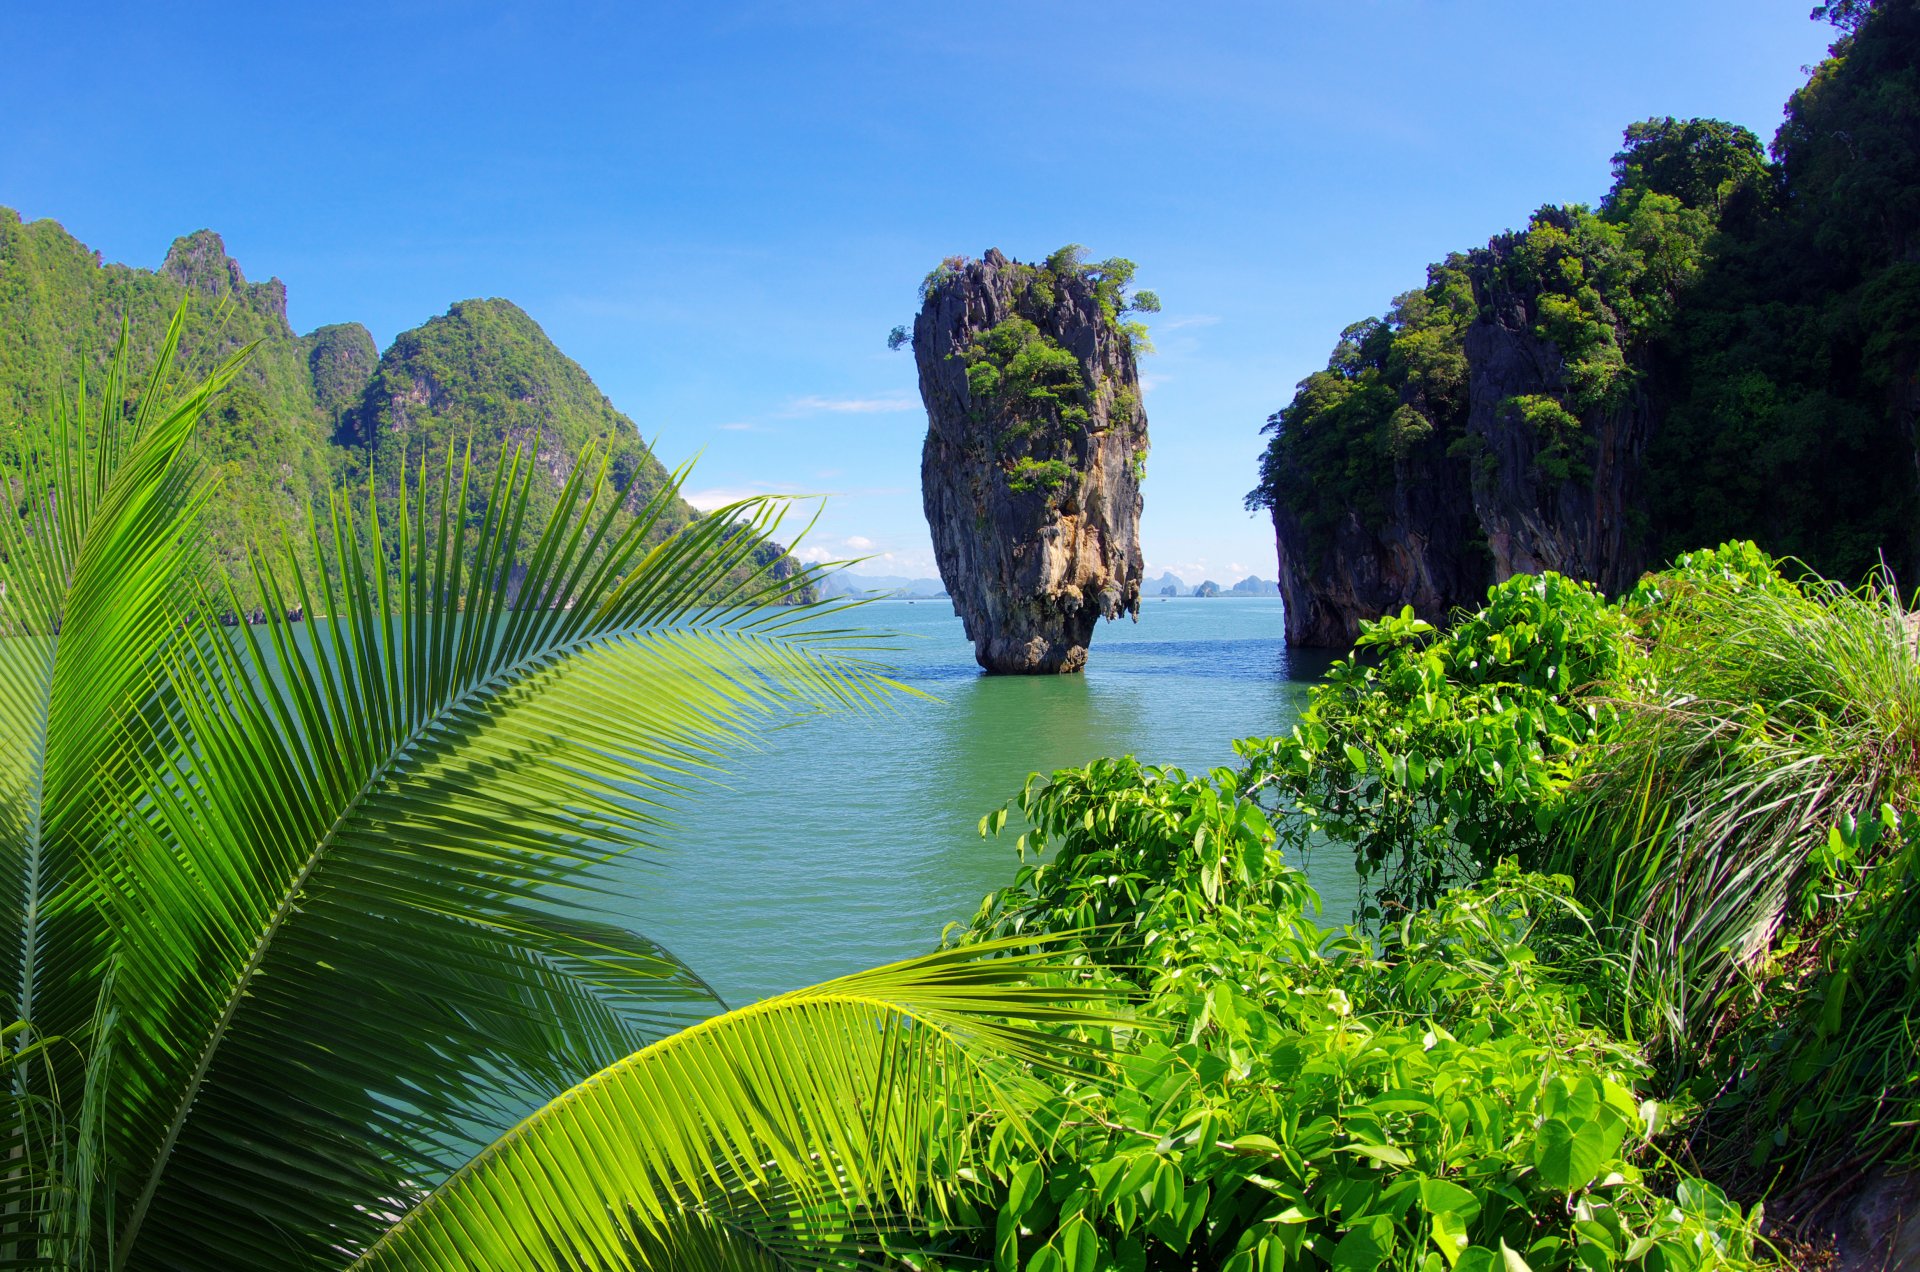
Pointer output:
x,y
1031,388
1749,322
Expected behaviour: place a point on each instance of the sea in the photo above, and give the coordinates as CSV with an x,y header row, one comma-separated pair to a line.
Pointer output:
x,y
851,838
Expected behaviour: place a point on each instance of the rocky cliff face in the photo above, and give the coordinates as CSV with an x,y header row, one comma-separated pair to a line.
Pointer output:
x,y
1492,424
1546,502
199,262
1036,443
1428,554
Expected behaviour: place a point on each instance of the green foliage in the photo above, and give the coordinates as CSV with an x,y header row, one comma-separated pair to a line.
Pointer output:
x,y
1029,473
1765,714
1561,456
1604,286
1435,755
1290,1096
1816,1064
310,906
939,274
63,313
1703,163
1032,382
1391,386
1703,761
1785,420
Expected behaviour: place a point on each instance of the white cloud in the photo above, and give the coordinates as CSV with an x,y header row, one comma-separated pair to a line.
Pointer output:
x,y
859,542
1149,382
851,406
719,496
738,428
1190,320
811,555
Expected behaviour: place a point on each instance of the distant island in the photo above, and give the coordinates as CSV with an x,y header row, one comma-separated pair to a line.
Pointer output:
x,y
1170,584
847,583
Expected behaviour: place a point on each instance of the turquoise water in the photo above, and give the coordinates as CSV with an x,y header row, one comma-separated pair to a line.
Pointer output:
x,y
849,840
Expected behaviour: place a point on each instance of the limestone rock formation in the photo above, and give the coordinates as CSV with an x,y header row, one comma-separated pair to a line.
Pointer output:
x,y
1036,444
1534,514
1450,446
1427,553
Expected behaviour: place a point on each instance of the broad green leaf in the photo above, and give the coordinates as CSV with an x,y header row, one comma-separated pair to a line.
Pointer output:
x,y
1448,1230
1568,1157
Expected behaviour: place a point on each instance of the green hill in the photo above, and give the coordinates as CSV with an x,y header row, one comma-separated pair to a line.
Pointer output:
x,y
311,413
486,372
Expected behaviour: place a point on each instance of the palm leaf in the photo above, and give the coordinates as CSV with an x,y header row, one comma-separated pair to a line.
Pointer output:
x,y
760,1138
356,894
102,529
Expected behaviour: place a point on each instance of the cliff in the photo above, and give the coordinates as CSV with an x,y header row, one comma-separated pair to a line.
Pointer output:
x,y
1726,347
1456,442
1425,551
1368,481
1036,446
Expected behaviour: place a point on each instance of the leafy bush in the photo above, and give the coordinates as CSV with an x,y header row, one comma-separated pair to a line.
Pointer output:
x,y
1017,369
1707,761
1029,473
1817,1063
1297,1097
1436,754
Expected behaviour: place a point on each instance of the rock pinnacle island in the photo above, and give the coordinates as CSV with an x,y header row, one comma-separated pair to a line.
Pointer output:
x,y
1036,446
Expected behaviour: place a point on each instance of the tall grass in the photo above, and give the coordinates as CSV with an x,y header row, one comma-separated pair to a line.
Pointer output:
x,y
1765,715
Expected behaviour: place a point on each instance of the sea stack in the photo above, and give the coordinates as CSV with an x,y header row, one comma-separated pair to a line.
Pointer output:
x,y
1036,445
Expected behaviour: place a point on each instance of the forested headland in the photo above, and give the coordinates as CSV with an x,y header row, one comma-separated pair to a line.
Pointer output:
x,y
1725,347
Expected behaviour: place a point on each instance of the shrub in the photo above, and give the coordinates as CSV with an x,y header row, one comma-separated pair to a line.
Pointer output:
x,y
1293,1096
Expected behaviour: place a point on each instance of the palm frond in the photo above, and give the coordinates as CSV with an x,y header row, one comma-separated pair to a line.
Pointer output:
x,y
98,534
760,1138
356,896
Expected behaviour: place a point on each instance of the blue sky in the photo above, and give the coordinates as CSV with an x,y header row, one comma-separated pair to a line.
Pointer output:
x,y
720,209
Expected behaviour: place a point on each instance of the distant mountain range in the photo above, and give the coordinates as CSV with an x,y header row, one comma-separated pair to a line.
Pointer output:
x,y
1169,584
847,583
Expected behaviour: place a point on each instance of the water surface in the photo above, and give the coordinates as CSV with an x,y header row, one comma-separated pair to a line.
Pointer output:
x,y
849,840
